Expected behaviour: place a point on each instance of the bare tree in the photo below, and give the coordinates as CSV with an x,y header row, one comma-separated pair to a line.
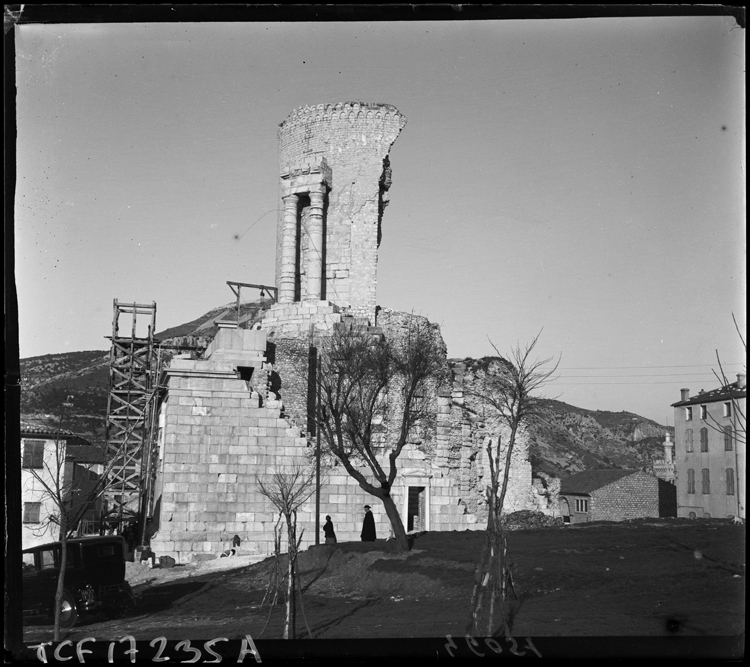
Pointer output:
x,y
507,396
287,490
374,393
71,488
739,426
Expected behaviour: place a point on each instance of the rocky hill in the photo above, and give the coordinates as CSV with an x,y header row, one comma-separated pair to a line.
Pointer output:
x,y
566,440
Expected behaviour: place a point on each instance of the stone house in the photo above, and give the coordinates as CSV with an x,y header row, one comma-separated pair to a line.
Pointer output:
x,y
710,451
609,495
45,452
246,408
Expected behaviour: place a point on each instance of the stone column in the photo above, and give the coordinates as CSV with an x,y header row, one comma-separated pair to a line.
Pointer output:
x,y
315,247
288,250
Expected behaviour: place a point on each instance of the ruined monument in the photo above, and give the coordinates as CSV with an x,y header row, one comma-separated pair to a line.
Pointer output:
x,y
334,180
243,409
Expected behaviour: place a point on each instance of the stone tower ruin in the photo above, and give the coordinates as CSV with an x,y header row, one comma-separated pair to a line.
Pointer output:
x,y
334,180
246,407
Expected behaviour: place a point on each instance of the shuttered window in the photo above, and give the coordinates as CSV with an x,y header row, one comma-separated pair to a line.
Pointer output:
x,y
33,453
704,439
691,480
730,481
31,512
728,437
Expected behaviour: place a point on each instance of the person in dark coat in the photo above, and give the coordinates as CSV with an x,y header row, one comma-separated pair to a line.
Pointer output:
x,y
328,531
368,527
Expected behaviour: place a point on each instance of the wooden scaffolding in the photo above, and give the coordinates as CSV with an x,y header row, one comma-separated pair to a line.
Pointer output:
x,y
133,368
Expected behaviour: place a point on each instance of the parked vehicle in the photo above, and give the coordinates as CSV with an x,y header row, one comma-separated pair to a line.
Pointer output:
x,y
94,579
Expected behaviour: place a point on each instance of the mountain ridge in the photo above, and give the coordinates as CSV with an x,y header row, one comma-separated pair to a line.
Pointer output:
x,y
565,440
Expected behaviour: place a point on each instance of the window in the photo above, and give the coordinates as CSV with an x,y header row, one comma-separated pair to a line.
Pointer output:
x,y
730,481
728,437
47,559
728,409
704,412
582,505
33,453
704,439
31,512
691,480
706,482
689,440
688,414
29,563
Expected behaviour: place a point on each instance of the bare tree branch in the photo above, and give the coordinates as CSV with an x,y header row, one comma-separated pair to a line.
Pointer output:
x,y
374,394
508,395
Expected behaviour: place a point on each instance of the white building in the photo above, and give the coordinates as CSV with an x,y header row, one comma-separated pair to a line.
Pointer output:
x,y
710,433
53,459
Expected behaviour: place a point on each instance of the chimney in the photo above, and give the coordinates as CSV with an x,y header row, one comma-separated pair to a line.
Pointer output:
x,y
741,380
684,394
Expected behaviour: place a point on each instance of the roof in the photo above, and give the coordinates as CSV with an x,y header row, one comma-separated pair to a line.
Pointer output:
x,y
93,539
40,430
590,480
724,393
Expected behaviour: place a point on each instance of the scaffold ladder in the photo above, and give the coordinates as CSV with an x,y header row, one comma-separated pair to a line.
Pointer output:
x,y
132,368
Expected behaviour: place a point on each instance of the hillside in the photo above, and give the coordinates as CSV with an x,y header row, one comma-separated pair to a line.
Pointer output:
x,y
47,382
567,439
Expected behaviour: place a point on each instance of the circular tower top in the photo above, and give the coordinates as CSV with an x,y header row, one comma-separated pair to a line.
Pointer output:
x,y
354,139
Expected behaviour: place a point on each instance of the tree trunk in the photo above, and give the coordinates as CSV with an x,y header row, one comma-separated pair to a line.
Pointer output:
x,y
394,517
61,577
289,622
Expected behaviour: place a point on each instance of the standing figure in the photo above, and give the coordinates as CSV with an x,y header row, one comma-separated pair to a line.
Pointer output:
x,y
368,526
134,529
328,531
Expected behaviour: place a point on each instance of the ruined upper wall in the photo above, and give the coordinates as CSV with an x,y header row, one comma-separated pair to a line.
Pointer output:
x,y
354,138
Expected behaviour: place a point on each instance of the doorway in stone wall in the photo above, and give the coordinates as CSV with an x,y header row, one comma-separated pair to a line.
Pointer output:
x,y
416,509
565,510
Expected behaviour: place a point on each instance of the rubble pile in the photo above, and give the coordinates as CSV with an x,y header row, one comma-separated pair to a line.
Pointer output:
x,y
530,520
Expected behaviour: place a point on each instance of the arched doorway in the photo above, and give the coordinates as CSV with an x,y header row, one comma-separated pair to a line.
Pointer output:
x,y
565,510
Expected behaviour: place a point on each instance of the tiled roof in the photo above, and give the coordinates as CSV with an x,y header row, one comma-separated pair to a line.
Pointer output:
x,y
590,480
29,428
724,393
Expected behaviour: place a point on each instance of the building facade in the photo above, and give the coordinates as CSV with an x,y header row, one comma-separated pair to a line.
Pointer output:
x,y
53,459
710,451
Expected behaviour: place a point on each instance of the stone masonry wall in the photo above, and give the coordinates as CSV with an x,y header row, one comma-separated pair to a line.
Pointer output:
x,y
631,497
354,138
220,435
447,454
289,378
464,433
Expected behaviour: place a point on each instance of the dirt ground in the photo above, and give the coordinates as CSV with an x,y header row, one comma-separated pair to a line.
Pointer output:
x,y
645,578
